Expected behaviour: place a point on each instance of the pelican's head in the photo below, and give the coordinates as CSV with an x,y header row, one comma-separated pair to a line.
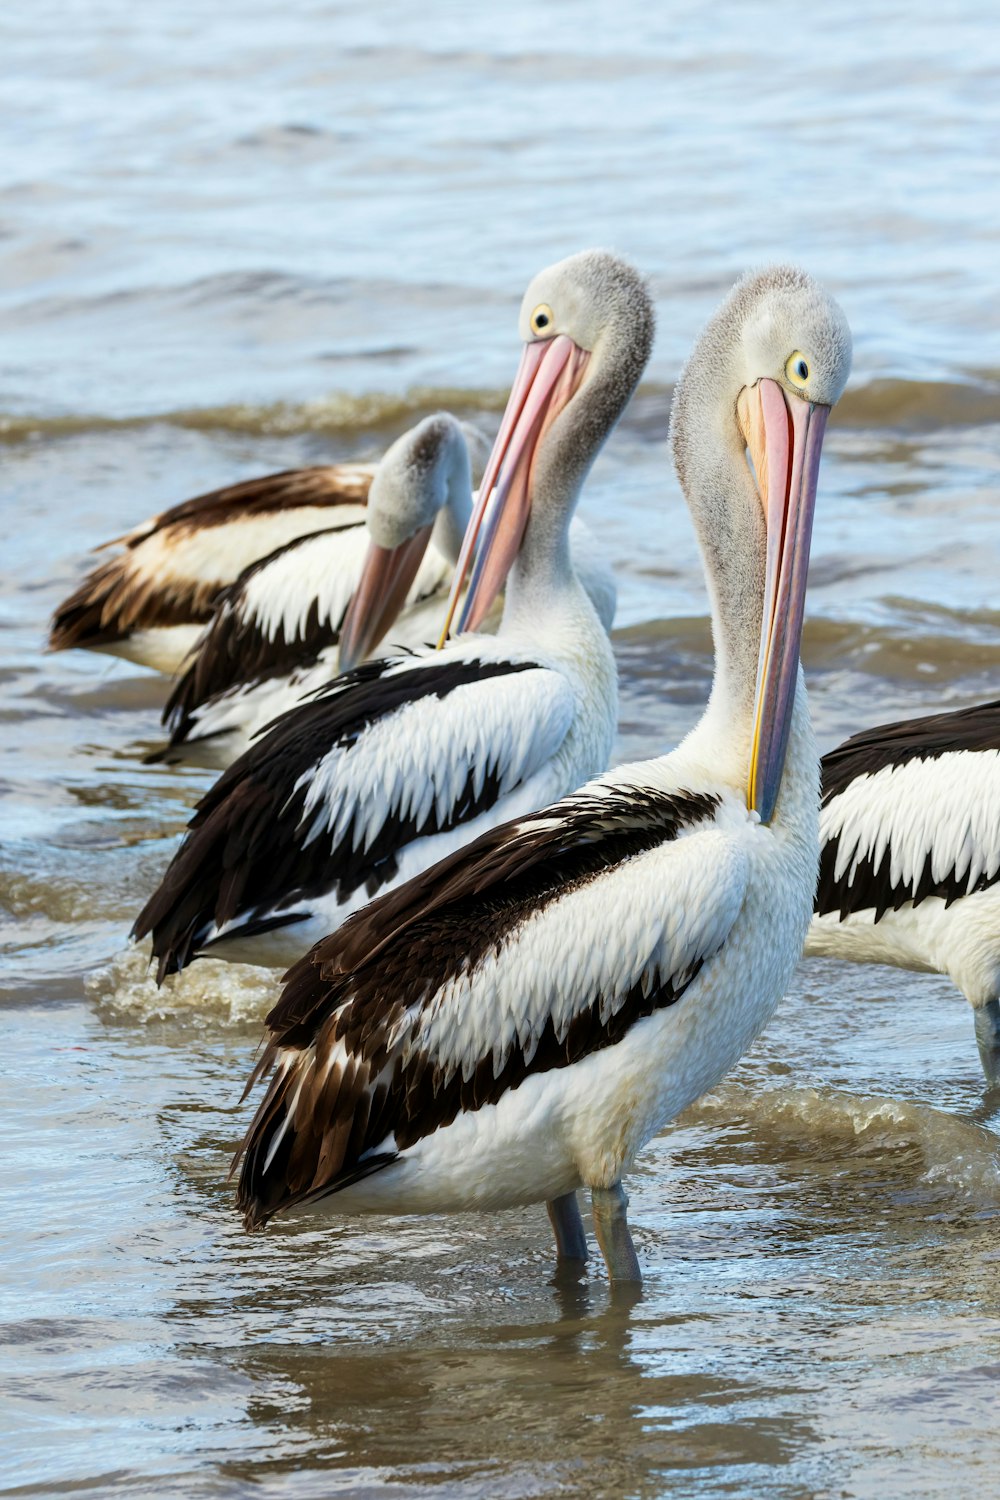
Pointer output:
x,y
422,486
587,324
764,375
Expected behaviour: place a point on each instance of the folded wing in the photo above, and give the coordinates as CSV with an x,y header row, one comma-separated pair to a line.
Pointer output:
x,y
396,750
545,940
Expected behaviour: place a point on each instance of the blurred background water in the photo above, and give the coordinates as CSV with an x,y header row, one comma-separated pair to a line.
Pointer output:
x,y
266,237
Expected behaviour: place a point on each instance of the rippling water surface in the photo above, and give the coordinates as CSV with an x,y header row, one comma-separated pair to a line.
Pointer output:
x,y
267,236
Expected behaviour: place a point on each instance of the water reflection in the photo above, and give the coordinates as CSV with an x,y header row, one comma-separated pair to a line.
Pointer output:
x,y
574,1396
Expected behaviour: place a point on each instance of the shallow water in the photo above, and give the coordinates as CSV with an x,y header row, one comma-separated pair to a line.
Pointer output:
x,y
239,244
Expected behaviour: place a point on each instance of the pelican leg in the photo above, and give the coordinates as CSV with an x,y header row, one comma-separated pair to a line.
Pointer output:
x,y
988,1038
567,1226
611,1227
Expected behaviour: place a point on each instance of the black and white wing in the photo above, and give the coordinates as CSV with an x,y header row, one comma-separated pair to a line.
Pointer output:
x,y
911,810
397,750
281,613
542,942
173,567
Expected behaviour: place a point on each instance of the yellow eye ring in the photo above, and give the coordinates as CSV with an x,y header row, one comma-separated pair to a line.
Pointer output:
x,y
542,318
797,368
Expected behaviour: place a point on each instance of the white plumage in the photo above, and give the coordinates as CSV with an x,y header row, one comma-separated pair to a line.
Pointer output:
x,y
671,909
420,760
316,576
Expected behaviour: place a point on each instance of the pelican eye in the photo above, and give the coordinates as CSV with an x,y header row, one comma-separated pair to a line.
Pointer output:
x,y
797,368
541,318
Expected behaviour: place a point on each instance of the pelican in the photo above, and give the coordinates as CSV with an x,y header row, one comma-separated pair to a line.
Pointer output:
x,y
276,632
150,602
402,760
284,630
517,1021
910,856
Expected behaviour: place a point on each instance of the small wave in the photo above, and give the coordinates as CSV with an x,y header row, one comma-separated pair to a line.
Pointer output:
x,y
337,414
921,405
957,644
900,404
960,1159
924,643
210,991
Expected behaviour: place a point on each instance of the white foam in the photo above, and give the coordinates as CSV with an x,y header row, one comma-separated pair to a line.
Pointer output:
x,y
221,993
959,1156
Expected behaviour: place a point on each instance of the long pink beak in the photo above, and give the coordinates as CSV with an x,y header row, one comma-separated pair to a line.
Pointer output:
x,y
547,379
385,582
785,436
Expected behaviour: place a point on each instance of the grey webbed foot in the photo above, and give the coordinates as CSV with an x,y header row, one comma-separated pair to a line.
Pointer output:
x,y
610,1207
